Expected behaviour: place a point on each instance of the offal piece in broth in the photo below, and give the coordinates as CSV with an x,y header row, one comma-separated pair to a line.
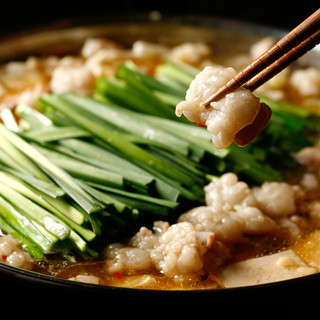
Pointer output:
x,y
201,240
176,251
12,253
239,116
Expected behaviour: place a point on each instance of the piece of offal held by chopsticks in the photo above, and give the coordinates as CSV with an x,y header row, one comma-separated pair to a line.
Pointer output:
x,y
223,101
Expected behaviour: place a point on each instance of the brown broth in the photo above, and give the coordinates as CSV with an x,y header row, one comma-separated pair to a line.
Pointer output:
x,y
251,247
55,265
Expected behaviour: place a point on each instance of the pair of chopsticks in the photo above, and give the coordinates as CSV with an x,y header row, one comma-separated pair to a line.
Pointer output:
x,y
292,46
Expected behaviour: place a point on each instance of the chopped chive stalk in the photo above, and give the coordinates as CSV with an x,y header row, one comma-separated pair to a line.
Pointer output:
x,y
35,212
178,73
82,170
35,251
68,214
130,150
129,121
53,133
64,180
34,118
24,226
103,158
49,188
8,119
131,177
15,158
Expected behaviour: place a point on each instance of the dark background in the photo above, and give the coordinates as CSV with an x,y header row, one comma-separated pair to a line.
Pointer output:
x,y
19,15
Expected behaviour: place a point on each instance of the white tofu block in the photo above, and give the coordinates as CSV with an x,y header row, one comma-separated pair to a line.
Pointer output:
x,y
271,268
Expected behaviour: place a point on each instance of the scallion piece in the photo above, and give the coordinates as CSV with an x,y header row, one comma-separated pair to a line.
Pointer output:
x,y
35,251
130,150
62,178
24,226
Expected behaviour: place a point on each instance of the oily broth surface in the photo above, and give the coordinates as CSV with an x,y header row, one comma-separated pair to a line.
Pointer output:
x,y
253,246
57,267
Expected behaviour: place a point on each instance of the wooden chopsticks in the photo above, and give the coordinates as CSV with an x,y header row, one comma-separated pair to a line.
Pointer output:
x,y
292,46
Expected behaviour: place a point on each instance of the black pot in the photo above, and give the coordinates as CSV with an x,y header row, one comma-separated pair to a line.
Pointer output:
x,y
36,291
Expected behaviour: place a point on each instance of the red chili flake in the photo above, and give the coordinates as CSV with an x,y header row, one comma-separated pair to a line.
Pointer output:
x,y
4,257
117,275
201,125
89,262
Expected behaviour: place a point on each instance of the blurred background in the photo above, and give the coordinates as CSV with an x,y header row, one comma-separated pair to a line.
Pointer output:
x,y
19,15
